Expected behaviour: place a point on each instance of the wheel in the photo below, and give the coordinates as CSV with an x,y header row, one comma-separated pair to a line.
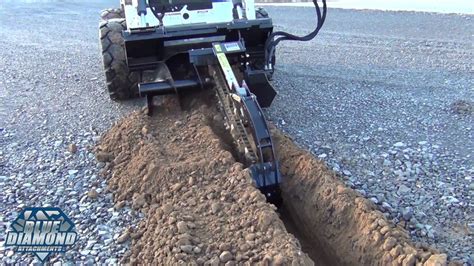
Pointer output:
x,y
121,83
260,12
111,13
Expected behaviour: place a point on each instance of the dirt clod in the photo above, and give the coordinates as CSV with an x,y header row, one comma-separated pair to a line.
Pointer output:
x,y
72,148
389,243
103,156
182,227
124,237
437,260
92,194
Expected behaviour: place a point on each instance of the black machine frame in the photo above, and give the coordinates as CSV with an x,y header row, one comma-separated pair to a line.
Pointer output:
x,y
146,47
189,46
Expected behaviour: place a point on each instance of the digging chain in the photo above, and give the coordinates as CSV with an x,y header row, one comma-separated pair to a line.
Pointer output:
x,y
232,115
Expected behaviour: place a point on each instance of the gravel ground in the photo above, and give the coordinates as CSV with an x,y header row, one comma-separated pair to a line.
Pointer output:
x,y
52,95
374,96
386,99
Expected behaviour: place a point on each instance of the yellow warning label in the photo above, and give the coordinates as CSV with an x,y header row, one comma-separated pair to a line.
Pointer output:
x,y
218,48
223,61
226,68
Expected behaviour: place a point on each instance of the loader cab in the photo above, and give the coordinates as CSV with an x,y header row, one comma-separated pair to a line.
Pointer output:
x,y
184,12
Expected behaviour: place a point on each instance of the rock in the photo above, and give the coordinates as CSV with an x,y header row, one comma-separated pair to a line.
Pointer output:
x,y
212,262
58,143
215,207
437,260
104,157
385,230
419,226
399,144
376,237
451,199
264,220
187,248
250,237
119,205
410,259
197,250
184,239
124,237
225,256
389,243
398,173
471,226
374,200
182,227
167,208
279,260
72,148
72,172
386,206
402,189
396,251
92,194
138,201
407,213
431,234
224,247
85,252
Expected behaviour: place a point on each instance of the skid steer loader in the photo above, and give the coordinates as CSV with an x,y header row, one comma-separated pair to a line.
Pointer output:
x,y
158,47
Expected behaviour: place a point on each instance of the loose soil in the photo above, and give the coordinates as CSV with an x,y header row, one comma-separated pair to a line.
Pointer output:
x,y
181,170
199,203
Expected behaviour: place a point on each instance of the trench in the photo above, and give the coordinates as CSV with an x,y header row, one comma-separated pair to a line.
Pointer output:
x,y
333,224
311,246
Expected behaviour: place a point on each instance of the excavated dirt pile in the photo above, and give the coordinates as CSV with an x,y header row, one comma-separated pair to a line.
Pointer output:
x,y
199,204
180,169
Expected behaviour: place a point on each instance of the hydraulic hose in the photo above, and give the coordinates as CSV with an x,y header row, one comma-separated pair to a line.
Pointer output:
x,y
278,36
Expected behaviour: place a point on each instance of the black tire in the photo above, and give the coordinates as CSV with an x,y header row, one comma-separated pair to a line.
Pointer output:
x,y
260,12
111,13
121,83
